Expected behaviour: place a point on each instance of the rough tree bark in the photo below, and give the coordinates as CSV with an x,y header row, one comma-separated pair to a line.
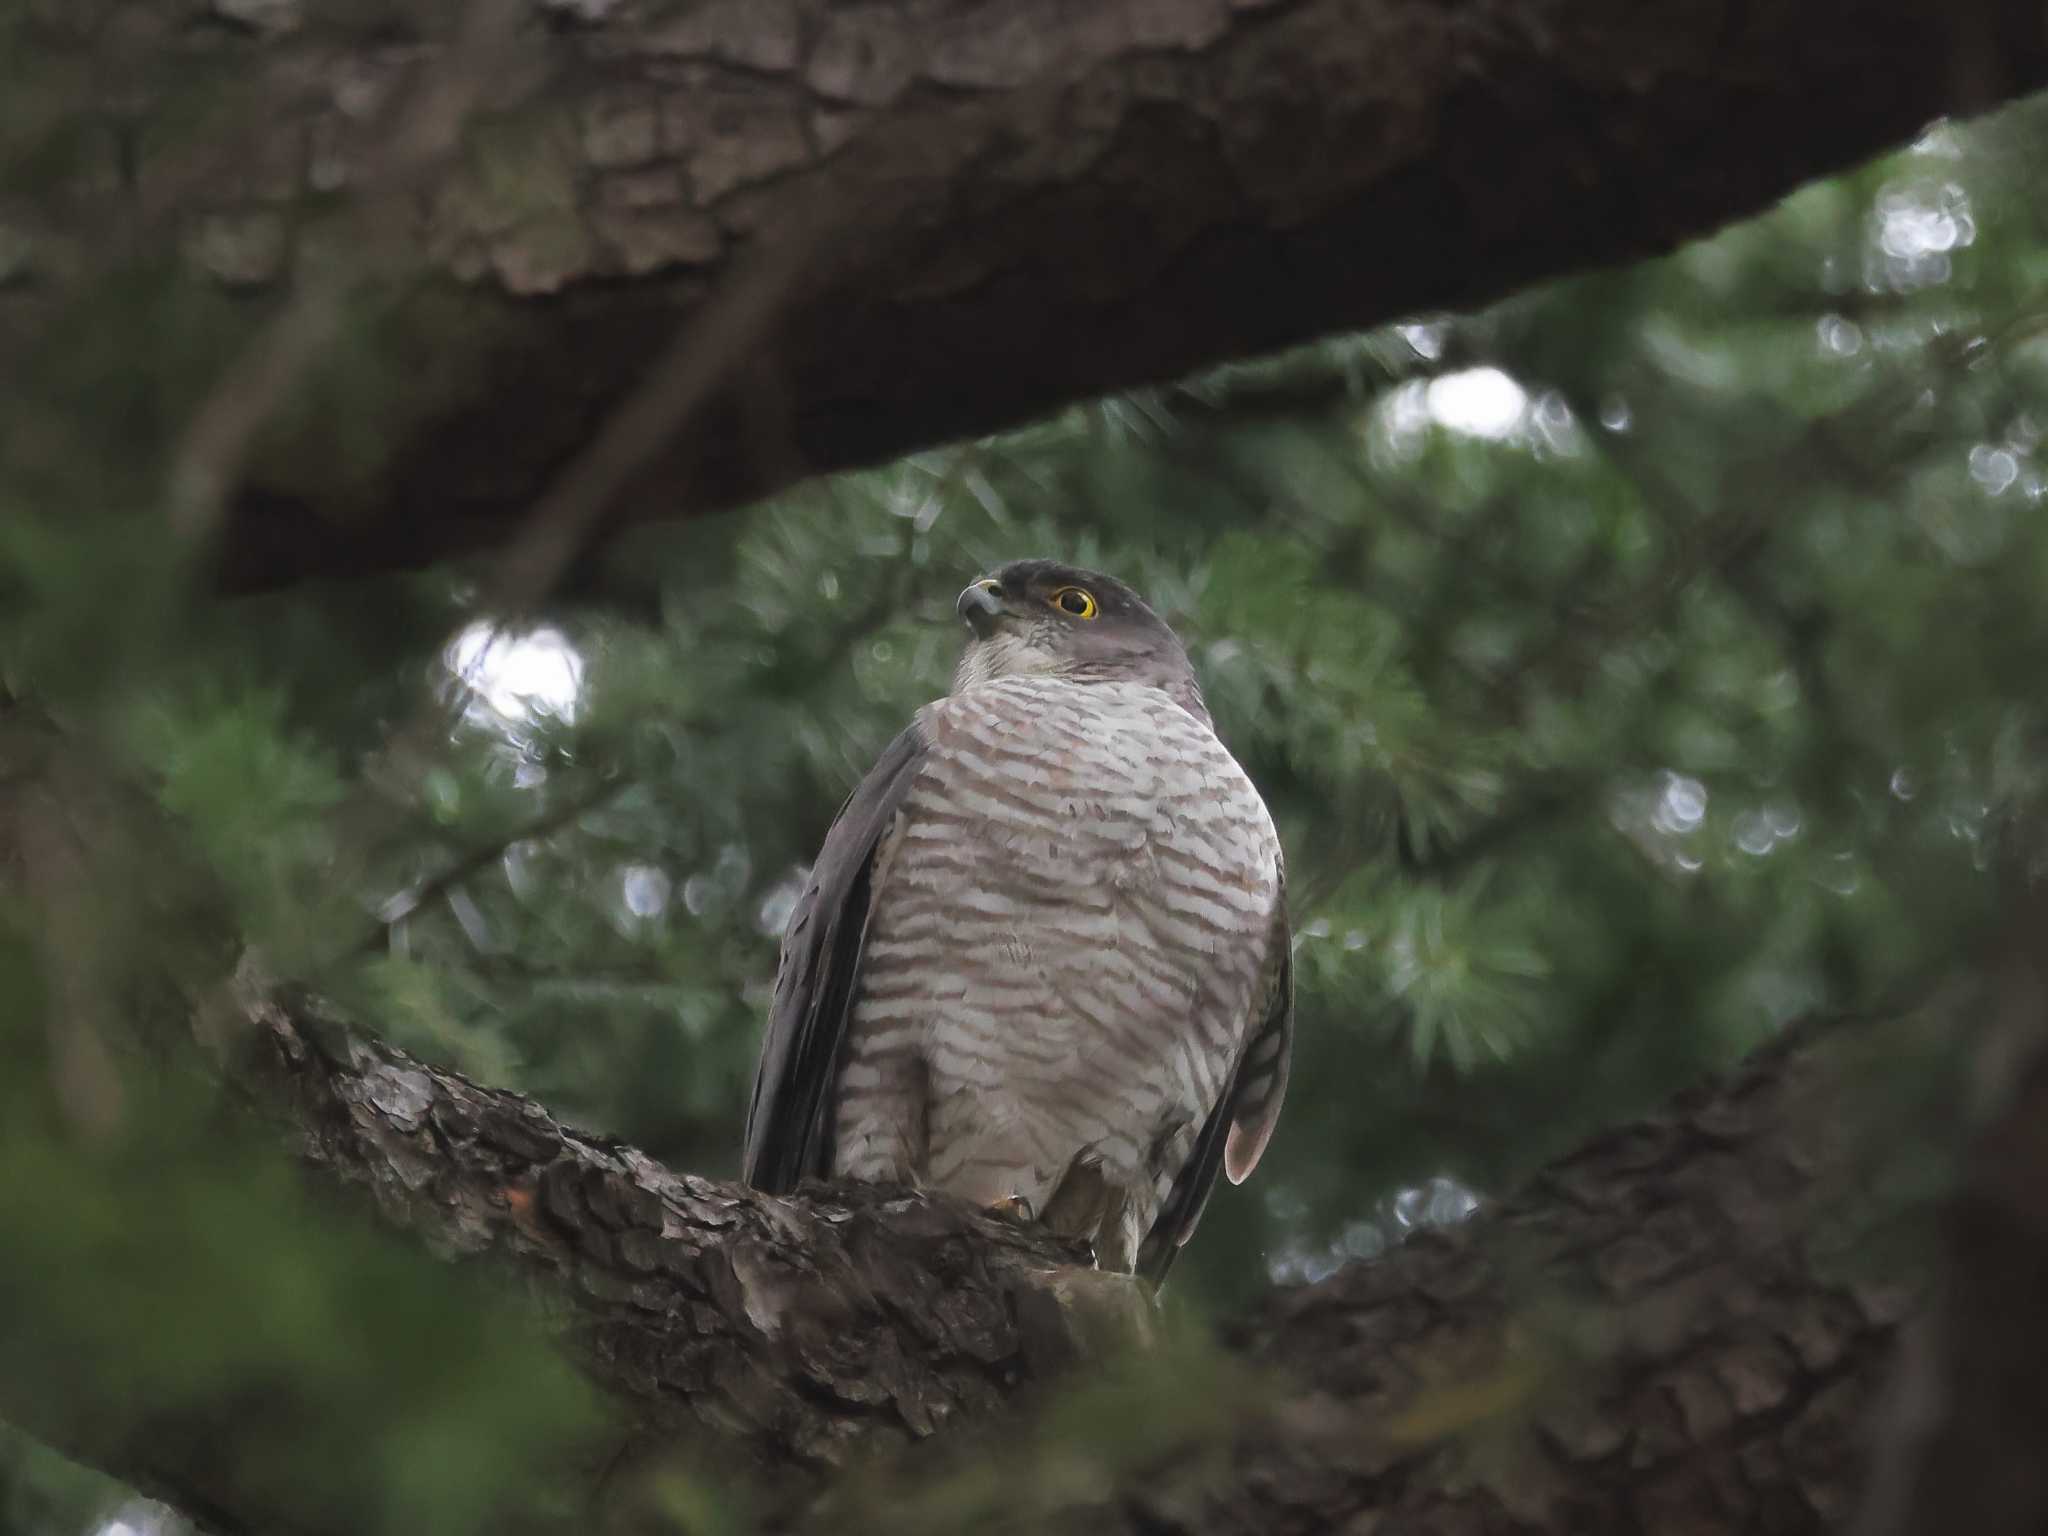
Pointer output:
x,y
872,227
1658,1336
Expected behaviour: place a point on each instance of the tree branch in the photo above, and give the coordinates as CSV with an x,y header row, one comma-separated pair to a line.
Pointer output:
x,y
1098,196
1651,1328
1679,1327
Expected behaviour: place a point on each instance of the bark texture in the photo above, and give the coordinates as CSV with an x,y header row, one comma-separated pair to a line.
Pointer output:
x,y
1668,1332
1650,1339
867,227
795,1328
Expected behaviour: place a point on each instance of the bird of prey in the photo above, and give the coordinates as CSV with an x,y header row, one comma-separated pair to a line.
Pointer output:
x,y
1042,961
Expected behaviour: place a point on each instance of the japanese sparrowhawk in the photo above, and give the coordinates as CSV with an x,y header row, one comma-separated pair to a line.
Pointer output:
x,y
1042,958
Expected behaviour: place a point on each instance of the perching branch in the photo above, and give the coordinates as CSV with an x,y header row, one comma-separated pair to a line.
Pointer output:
x,y
1679,1322
1671,1320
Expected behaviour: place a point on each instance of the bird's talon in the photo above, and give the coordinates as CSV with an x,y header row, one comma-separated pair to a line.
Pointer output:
x,y
1013,1208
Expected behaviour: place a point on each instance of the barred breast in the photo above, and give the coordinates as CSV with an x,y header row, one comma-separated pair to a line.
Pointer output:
x,y
1065,952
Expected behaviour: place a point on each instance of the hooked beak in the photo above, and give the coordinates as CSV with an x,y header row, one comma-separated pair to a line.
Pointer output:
x,y
980,606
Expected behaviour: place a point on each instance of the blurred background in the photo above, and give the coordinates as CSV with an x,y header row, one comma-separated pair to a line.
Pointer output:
x,y
1633,669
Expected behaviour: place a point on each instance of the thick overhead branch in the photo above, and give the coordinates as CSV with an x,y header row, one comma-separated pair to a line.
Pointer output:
x,y
876,226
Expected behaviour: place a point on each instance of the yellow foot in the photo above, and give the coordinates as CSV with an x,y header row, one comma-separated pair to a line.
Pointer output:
x,y
1010,1208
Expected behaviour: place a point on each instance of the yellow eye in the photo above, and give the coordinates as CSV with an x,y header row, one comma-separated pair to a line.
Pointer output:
x,y
1075,600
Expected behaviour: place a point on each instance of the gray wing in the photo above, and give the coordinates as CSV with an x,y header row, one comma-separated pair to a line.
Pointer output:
x,y
1238,1128
789,1130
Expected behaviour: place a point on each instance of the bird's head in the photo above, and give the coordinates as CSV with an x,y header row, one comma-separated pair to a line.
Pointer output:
x,y
1038,618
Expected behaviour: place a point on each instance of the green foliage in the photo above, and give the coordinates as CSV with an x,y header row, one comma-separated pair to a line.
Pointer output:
x,y
1631,669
